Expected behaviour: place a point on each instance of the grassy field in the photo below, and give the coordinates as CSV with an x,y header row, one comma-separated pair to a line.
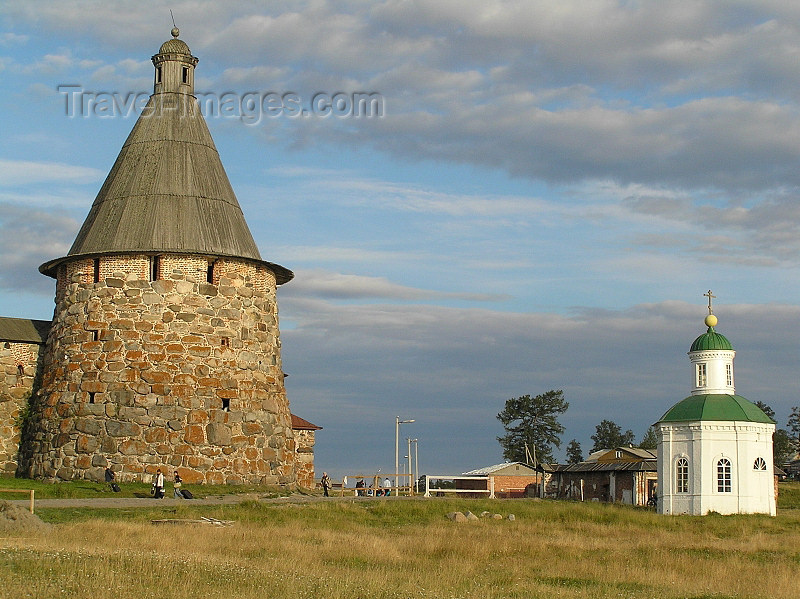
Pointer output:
x,y
406,549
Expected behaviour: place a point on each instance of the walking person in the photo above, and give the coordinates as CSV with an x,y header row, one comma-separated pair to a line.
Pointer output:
x,y
176,486
326,483
111,479
158,485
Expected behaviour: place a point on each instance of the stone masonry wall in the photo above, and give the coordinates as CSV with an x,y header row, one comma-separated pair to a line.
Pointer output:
x,y
175,373
304,457
18,364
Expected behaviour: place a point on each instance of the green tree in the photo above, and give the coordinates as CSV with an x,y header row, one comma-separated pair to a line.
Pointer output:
x,y
574,452
532,421
649,441
782,449
609,435
794,427
766,409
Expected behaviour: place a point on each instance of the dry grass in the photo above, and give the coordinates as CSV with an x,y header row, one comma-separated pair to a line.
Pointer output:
x,y
407,549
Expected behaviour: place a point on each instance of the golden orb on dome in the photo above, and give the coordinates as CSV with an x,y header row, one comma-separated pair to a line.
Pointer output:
x,y
711,320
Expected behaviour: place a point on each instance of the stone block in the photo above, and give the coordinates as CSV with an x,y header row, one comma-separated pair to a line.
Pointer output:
x,y
151,299
163,286
218,434
194,434
118,428
155,435
88,426
132,447
84,444
207,289
155,376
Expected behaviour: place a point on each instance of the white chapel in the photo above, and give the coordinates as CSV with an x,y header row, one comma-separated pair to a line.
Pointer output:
x,y
715,447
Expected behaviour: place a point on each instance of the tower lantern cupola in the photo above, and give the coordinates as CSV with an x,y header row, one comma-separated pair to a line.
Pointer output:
x,y
712,356
174,67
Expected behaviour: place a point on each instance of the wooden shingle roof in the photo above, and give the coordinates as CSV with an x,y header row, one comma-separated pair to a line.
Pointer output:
x,y
23,330
167,193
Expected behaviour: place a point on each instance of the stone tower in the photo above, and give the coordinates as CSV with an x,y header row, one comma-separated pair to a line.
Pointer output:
x,y
164,350
715,447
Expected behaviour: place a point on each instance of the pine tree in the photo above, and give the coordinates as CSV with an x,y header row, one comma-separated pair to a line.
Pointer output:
x,y
574,452
532,421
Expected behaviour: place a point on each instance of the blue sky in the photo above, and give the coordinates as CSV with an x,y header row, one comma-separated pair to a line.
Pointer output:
x,y
549,192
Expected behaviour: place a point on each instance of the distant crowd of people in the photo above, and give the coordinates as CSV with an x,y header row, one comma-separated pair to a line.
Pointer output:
x,y
157,489
380,489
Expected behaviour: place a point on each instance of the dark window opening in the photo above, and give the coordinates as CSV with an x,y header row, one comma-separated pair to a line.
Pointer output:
x,y
225,342
155,268
158,74
185,74
91,396
97,270
20,370
95,335
226,405
210,272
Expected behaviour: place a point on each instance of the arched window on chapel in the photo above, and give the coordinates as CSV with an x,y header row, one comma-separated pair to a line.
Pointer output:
x,y
724,476
682,475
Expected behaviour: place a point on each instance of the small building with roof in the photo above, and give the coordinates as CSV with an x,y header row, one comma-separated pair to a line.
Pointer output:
x,y
511,479
621,474
715,447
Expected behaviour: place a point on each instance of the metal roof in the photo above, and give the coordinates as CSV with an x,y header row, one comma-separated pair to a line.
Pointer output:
x,y
496,467
23,330
715,407
711,340
303,424
643,466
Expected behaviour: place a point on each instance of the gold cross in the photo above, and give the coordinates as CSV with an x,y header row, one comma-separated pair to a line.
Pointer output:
x,y
709,295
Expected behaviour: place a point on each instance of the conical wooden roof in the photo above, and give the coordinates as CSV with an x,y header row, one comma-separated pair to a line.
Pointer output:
x,y
167,191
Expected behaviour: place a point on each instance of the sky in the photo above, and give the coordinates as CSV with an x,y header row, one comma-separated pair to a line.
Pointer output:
x,y
539,200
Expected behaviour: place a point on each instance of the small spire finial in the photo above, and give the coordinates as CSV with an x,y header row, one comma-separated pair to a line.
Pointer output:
x,y
710,296
175,31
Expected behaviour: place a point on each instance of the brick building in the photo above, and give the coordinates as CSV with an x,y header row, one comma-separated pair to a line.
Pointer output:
x,y
164,347
511,479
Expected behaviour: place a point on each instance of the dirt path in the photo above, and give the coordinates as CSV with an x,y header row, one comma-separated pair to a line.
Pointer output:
x,y
143,502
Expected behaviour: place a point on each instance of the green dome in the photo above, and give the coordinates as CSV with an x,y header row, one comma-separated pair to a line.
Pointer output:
x,y
715,407
711,340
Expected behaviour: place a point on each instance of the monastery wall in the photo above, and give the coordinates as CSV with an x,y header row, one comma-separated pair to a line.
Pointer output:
x,y
18,369
304,457
168,362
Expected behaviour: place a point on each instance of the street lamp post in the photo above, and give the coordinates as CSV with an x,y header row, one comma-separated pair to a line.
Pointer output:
x,y
397,423
410,465
416,465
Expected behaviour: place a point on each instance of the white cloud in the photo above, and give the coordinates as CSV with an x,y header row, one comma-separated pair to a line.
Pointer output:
x,y
340,286
23,172
28,238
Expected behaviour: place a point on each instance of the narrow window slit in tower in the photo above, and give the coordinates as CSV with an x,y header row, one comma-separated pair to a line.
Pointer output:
x,y
95,335
158,74
155,268
97,270
185,74
225,342
226,405
210,272
91,396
